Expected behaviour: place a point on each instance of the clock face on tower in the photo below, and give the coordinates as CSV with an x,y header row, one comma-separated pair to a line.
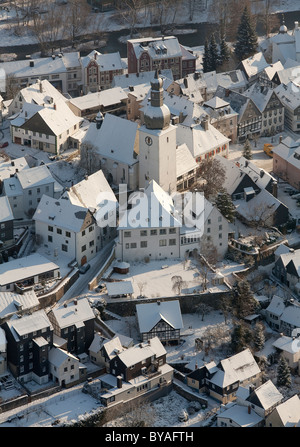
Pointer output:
x,y
148,140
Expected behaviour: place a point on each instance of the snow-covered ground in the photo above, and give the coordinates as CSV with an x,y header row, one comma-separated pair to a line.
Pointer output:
x,y
108,23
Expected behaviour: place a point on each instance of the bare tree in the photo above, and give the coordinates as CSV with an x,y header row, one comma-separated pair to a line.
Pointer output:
x,y
164,14
76,19
129,11
177,284
269,20
210,177
88,158
203,309
11,86
141,286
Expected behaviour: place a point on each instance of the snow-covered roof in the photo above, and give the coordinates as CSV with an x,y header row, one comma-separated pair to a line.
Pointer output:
x,y
58,357
42,93
105,98
289,411
58,118
11,302
113,347
156,209
262,205
6,213
91,192
289,94
234,79
106,62
136,79
37,321
258,175
185,162
291,316
287,344
266,395
272,69
254,64
260,95
119,288
118,146
215,103
26,267
287,150
97,342
239,367
60,213
240,415
287,74
199,140
276,306
7,168
3,341
150,314
41,66
74,312
156,46
142,351
34,177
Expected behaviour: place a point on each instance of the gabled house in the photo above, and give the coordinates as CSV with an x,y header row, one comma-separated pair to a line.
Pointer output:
x,y
95,194
3,353
221,381
262,400
64,228
29,340
11,167
26,188
64,368
149,53
287,270
222,117
289,348
270,106
285,45
253,66
249,123
116,153
161,319
282,316
137,372
74,322
98,70
47,128
286,414
234,415
41,93
102,350
12,303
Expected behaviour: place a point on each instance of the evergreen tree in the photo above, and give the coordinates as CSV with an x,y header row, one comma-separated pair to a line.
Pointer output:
x,y
246,39
213,52
241,337
259,336
283,373
206,65
224,50
243,301
225,206
247,150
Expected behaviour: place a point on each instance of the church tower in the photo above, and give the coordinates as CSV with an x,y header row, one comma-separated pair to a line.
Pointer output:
x,y
157,142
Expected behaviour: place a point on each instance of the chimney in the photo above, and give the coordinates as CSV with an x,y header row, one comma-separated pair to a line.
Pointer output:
x,y
99,120
31,63
249,409
296,25
158,303
119,382
205,123
274,189
75,302
41,87
54,106
280,139
95,55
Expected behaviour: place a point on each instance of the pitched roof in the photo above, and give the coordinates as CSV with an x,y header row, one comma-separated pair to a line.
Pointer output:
x,y
142,351
10,302
156,209
27,324
265,396
150,314
7,168
289,411
6,213
61,213
118,146
58,357
75,312
239,367
276,305
105,98
254,64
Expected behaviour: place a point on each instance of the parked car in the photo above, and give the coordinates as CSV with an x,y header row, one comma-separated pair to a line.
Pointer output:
x,y
51,157
100,288
4,144
84,268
